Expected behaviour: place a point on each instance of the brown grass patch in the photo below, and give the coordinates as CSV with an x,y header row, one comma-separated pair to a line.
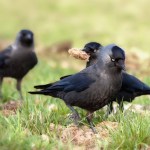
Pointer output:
x,y
83,136
10,108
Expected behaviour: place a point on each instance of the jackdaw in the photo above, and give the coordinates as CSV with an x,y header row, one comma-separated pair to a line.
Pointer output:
x,y
17,59
131,86
93,87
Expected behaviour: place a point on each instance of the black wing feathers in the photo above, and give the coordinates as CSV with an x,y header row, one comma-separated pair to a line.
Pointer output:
x,y
50,84
77,82
132,84
4,55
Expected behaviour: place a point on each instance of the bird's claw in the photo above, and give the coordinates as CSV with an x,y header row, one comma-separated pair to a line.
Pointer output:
x,y
75,118
94,129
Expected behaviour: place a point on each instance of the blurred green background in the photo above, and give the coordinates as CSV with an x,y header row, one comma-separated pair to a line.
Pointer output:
x,y
123,22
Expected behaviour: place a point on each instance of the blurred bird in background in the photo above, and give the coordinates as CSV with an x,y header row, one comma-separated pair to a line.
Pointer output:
x,y
17,59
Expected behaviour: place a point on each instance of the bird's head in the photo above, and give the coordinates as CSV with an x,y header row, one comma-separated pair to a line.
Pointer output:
x,y
25,38
92,49
113,56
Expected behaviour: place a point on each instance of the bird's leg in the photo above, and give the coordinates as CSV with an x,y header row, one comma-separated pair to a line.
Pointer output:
x,y
109,109
121,107
75,116
89,117
18,86
1,81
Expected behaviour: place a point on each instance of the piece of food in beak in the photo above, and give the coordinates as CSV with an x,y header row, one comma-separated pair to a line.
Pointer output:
x,y
78,54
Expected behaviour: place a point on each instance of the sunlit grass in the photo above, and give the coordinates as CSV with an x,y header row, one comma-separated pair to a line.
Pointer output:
x,y
25,129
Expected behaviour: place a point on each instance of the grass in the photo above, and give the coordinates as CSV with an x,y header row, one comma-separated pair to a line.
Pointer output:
x,y
133,132
123,22
25,129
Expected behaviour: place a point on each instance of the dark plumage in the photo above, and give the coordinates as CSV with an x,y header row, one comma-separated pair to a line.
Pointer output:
x,y
131,86
18,58
93,87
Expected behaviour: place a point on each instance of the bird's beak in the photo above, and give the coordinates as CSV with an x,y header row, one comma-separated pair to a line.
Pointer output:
x,y
86,50
121,64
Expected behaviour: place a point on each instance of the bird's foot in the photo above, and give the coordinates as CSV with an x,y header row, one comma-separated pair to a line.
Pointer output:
x,y
107,114
75,118
21,97
92,126
94,129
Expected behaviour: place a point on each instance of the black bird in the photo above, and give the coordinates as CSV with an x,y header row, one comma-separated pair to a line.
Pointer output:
x,y
131,86
17,59
93,87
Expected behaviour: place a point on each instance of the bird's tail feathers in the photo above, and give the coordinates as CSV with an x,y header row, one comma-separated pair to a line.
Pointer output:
x,y
147,92
43,92
64,77
43,86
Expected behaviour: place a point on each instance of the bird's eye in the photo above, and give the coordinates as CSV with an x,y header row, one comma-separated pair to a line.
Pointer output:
x,y
112,59
93,50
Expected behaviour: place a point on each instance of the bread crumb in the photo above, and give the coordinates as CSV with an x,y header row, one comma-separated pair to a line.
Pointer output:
x,y
78,54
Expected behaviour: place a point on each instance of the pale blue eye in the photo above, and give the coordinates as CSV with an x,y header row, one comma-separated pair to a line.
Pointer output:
x,y
113,60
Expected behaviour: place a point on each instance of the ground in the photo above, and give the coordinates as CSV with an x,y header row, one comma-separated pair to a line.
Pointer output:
x,y
41,122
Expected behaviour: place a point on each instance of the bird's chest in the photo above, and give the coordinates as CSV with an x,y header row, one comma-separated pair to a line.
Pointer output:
x,y
19,61
105,90
19,65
